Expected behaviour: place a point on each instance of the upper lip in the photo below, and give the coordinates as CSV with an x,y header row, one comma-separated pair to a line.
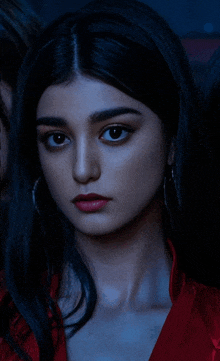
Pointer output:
x,y
88,197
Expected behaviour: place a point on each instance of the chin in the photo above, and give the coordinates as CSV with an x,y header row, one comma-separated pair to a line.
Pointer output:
x,y
106,228
97,230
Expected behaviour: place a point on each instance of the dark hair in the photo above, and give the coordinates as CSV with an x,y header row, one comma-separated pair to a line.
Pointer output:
x,y
212,85
201,182
19,27
127,45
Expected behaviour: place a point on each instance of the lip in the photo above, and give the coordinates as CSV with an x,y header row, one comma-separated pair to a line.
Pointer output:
x,y
90,202
89,197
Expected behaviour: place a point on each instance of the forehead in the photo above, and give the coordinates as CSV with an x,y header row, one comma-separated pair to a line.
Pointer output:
x,y
83,97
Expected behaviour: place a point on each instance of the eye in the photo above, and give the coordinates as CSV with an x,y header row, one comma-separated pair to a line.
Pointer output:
x,y
116,133
54,140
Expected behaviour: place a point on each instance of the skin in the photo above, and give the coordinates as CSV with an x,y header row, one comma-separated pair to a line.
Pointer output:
x,y
6,95
123,242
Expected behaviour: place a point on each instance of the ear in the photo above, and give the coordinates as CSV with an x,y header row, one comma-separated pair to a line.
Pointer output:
x,y
171,151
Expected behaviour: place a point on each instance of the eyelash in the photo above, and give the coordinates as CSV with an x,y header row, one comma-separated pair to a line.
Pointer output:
x,y
44,138
127,129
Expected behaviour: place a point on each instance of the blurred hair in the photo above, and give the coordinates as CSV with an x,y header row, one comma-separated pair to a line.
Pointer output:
x,y
19,27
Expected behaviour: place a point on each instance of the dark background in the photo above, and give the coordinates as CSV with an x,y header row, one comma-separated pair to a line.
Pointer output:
x,y
184,16
197,22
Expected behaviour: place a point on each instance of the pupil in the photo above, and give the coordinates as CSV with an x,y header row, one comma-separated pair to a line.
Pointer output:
x,y
59,138
115,132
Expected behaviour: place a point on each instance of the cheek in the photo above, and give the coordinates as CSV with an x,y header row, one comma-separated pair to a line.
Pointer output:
x,y
57,176
139,170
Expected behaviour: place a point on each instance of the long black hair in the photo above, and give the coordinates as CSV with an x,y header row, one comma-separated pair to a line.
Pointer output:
x,y
127,45
201,182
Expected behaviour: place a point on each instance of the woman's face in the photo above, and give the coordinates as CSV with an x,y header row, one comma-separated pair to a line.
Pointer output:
x,y
93,138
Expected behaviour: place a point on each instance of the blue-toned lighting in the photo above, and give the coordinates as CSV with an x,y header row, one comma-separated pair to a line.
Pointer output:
x,y
208,27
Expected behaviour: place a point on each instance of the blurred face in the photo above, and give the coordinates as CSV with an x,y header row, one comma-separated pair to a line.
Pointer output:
x,y
102,152
5,93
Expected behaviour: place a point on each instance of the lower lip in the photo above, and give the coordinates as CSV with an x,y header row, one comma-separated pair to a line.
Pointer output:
x,y
91,206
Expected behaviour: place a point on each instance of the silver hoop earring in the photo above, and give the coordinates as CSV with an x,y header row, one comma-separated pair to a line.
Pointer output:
x,y
34,190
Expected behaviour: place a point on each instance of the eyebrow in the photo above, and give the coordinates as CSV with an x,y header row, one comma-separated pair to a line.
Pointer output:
x,y
94,118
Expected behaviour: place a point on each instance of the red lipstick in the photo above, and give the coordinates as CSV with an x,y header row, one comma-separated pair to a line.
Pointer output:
x,y
90,202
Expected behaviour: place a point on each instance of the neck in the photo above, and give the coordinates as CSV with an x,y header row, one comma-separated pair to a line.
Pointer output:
x,y
124,262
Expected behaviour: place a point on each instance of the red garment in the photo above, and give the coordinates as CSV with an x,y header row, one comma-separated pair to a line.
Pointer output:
x,y
191,331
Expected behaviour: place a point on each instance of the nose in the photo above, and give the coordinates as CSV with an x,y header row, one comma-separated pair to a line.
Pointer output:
x,y
86,167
